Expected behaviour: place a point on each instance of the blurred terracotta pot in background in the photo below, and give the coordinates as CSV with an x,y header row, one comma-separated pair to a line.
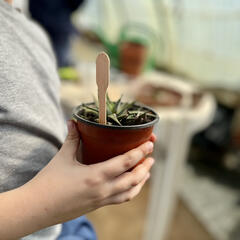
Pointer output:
x,y
132,57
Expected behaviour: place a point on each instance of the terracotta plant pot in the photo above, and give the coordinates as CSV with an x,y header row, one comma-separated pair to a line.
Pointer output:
x,y
102,142
132,58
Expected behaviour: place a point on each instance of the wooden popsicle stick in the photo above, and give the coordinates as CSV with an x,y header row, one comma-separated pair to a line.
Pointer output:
x,y
102,79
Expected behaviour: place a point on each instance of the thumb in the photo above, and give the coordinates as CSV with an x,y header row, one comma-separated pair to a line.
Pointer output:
x,y
71,143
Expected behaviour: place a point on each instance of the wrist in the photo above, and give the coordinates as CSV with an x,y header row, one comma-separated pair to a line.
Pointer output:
x,y
38,205
33,207
21,213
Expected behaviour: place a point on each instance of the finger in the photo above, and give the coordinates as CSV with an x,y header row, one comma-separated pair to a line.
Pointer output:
x,y
71,142
131,179
120,164
127,195
153,138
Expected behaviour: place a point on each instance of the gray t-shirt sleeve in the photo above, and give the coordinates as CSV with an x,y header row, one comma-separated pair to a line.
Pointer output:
x,y
32,127
31,120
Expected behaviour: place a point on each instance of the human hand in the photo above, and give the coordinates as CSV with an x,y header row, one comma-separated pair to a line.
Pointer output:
x,y
67,189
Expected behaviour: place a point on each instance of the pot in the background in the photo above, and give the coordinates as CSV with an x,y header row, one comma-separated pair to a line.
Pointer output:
x,y
133,56
102,142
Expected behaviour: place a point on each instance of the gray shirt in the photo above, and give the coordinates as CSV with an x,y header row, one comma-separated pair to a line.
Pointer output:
x,y
31,122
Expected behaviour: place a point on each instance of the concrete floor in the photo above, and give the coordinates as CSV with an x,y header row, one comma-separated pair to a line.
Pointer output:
x,y
126,221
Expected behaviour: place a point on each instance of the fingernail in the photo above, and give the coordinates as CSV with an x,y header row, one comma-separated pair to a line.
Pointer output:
x,y
151,161
148,176
150,146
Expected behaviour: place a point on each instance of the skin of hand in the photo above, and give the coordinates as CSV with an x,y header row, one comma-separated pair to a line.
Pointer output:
x,y
66,189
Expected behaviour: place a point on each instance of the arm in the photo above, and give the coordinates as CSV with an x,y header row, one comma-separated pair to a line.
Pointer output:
x,y
66,189
20,213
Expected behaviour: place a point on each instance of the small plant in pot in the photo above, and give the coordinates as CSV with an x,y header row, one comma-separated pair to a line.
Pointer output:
x,y
128,126
132,57
110,128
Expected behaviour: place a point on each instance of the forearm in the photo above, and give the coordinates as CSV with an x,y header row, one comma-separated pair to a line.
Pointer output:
x,y
21,213
66,189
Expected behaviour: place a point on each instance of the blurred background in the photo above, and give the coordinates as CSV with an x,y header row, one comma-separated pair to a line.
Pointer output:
x,y
182,58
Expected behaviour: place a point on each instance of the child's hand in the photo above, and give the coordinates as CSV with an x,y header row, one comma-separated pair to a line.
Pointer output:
x,y
66,189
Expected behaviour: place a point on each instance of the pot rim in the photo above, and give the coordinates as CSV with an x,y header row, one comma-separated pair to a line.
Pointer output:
x,y
130,127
